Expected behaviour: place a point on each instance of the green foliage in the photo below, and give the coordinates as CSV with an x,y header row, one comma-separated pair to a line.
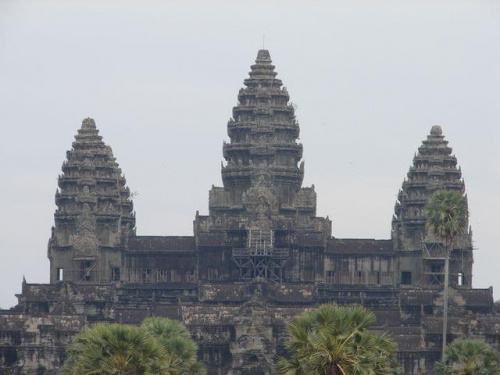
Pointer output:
x,y
332,340
447,214
114,349
159,347
469,357
176,340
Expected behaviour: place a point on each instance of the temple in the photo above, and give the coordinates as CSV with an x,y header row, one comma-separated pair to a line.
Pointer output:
x,y
258,258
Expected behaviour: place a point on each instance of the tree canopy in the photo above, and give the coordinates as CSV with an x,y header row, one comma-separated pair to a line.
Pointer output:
x,y
333,340
159,347
447,214
174,337
469,357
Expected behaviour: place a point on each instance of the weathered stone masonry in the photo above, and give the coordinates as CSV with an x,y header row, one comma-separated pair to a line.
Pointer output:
x,y
260,257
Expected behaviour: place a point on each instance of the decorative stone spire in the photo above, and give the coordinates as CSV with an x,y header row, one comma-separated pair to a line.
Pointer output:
x,y
434,168
263,135
262,206
94,209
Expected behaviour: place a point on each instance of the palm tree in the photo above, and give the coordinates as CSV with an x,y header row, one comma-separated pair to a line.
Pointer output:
x,y
447,216
174,337
469,357
332,340
114,349
159,347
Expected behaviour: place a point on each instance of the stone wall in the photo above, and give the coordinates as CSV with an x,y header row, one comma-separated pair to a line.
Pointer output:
x,y
239,326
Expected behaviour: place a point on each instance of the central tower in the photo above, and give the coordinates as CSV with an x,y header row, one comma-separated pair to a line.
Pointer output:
x,y
261,214
263,136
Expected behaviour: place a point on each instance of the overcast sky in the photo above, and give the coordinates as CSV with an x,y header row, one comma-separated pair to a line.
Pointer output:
x,y
369,79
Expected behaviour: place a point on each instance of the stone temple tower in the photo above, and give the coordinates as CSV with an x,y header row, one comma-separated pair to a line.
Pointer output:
x,y
421,255
263,133
259,257
253,222
94,215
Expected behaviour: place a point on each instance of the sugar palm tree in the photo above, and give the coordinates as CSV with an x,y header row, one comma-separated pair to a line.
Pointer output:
x,y
469,357
174,337
159,347
332,340
447,217
114,349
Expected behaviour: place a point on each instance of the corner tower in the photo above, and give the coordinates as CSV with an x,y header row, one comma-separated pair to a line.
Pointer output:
x,y
262,213
94,213
421,254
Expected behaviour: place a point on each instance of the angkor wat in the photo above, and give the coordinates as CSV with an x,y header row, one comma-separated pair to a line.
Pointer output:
x,y
260,256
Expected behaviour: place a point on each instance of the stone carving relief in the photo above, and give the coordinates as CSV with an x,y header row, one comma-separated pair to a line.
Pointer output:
x,y
260,201
86,191
252,349
85,242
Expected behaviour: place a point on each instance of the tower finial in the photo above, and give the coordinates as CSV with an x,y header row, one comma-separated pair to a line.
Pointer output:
x,y
436,130
263,57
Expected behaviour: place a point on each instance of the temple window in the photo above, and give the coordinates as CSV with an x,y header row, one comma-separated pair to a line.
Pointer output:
x,y
437,274
146,276
330,277
406,278
189,275
115,273
85,268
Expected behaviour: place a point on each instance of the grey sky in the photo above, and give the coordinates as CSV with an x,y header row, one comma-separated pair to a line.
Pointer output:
x,y
160,78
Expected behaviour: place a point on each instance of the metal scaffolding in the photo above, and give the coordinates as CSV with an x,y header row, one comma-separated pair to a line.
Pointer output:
x,y
433,259
260,258
85,268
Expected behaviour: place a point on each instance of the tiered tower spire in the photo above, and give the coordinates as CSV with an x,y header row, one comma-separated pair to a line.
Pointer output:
x,y
255,218
94,211
434,168
263,135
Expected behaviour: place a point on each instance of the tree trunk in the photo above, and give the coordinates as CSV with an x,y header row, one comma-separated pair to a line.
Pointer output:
x,y
334,370
449,247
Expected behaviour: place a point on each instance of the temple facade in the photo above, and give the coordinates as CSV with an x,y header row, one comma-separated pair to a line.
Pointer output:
x,y
258,258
